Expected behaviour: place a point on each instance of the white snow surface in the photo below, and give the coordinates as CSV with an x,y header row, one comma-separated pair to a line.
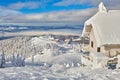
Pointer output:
x,y
106,26
59,62
43,73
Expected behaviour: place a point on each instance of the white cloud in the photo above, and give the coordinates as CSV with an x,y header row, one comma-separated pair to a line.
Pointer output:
x,y
109,3
69,2
63,17
20,5
25,5
7,12
53,18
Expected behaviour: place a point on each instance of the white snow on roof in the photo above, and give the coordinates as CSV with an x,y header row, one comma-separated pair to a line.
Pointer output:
x,y
106,26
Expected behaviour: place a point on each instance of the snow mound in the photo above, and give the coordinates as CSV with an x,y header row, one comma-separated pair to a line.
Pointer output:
x,y
68,60
57,68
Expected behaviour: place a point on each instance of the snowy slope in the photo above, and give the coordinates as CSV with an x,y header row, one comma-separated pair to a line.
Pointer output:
x,y
58,61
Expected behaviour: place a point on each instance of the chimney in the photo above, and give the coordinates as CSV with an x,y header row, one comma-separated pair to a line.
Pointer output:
x,y
102,8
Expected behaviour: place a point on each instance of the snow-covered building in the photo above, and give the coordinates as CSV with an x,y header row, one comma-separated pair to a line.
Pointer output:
x,y
103,31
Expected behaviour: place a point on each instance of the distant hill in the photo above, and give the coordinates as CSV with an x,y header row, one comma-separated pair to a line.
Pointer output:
x,y
17,28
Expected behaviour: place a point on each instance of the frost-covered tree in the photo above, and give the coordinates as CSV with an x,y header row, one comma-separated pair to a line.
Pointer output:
x,y
2,60
33,54
72,65
54,49
17,60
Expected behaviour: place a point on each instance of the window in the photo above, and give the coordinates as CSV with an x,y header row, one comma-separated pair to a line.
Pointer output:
x,y
92,44
98,49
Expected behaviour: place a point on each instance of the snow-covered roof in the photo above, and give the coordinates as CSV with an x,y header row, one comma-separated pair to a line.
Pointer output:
x,y
106,26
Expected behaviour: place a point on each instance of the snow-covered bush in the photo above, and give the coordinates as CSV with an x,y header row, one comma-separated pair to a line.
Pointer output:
x,y
58,68
85,60
99,60
2,60
54,49
67,65
47,46
47,65
77,47
17,60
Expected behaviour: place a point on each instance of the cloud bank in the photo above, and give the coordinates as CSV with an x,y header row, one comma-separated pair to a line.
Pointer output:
x,y
21,5
74,16
11,14
110,3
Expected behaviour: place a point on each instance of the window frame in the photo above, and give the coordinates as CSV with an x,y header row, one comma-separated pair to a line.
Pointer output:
x,y
98,49
92,44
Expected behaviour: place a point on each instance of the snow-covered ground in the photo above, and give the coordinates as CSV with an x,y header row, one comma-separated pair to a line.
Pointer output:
x,y
43,73
48,59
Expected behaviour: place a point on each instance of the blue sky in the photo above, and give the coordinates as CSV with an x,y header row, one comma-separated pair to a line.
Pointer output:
x,y
50,12
39,6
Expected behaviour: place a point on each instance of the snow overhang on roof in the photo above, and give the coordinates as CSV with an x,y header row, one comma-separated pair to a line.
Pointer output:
x,y
106,26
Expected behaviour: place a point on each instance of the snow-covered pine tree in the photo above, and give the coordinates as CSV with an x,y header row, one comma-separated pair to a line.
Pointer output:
x,y
17,60
2,60
13,59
